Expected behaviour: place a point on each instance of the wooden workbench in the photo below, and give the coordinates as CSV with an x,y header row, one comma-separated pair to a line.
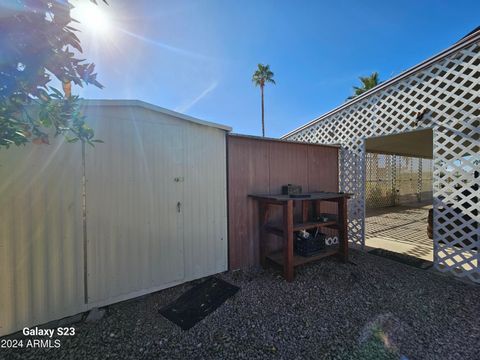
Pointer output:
x,y
286,229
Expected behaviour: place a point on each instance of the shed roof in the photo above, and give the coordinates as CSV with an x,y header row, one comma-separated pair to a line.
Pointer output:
x,y
152,107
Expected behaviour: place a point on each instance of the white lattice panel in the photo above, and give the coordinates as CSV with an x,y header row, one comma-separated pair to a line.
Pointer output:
x,y
449,88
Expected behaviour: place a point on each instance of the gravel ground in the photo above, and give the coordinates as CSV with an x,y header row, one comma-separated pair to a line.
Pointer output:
x,y
371,309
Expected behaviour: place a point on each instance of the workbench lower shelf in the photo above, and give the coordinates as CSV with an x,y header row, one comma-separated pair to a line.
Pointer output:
x,y
279,258
288,226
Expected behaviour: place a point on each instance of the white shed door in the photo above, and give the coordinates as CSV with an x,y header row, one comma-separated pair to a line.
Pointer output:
x,y
167,246
134,209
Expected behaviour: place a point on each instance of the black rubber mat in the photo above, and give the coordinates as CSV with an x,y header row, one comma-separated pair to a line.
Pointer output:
x,y
198,302
403,258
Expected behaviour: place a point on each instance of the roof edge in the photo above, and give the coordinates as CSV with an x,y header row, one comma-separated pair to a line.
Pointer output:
x,y
464,42
262,138
149,106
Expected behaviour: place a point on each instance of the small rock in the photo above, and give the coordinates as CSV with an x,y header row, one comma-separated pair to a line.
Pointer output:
x,y
95,314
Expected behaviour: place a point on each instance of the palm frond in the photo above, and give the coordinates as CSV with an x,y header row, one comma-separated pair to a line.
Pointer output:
x,y
263,75
368,82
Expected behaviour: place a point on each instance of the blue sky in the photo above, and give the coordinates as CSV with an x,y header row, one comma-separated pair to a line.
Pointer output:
x,y
197,57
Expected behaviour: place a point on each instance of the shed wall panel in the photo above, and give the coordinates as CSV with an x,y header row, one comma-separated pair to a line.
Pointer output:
x,y
248,172
41,258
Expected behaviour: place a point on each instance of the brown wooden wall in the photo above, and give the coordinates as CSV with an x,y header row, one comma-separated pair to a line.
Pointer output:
x,y
262,166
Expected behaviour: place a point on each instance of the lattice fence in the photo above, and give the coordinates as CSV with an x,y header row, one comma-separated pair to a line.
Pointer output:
x,y
379,182
448,88
397,180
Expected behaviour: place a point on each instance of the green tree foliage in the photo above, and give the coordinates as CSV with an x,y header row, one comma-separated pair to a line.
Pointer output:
x,y
260,77
38,44
368,82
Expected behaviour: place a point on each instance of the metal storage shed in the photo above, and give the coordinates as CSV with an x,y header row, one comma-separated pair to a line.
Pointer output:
x,y
156,213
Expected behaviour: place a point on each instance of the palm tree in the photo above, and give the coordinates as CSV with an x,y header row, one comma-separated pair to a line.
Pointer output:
x,y
260,77
368,82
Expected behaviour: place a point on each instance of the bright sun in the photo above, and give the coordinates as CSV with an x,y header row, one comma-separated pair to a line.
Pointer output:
x,y
92,17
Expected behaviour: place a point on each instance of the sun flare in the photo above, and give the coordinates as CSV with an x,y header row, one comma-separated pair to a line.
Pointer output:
x,y
93,18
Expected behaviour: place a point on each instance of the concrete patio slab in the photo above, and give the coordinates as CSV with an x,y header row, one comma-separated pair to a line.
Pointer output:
x,y
401,229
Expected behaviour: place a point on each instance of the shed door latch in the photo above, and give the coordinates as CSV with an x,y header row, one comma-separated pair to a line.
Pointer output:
x,y
179,205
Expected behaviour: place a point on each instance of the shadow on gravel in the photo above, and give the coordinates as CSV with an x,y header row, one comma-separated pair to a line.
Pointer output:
x,y
402,258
